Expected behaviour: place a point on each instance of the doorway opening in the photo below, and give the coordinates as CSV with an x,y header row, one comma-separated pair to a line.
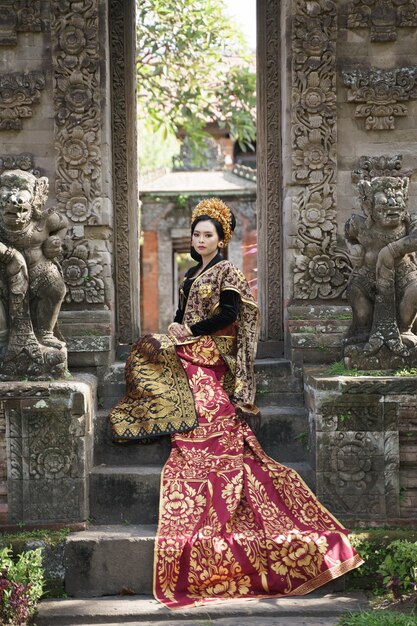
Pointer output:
x,y
197,115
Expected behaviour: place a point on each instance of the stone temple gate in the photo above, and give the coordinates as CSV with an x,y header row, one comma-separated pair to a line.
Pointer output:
x,y
337,100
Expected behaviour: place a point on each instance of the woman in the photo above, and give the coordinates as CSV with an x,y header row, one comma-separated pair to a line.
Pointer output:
x,y
233,523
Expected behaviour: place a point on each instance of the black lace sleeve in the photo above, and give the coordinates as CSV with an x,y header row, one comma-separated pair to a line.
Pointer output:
x,y
229,310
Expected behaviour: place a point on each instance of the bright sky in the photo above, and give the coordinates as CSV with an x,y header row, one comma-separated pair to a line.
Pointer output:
x,y
244,12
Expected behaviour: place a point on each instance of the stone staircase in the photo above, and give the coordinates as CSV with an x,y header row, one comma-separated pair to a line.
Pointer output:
x,y
116,554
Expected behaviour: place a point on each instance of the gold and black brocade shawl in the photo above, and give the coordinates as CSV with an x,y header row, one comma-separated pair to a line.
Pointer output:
x,y
204,300
158,398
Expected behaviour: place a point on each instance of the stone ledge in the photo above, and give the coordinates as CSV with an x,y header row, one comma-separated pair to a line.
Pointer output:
x,y
123,610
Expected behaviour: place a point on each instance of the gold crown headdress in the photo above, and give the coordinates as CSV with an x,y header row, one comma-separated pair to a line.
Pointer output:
x,y
217,210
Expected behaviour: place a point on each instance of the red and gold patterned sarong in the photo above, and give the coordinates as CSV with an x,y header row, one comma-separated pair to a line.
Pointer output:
x,y
234,523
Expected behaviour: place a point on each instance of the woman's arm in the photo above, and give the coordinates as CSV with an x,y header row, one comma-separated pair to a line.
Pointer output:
x,y
229,310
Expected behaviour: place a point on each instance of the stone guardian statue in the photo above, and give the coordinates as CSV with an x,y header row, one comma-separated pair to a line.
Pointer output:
x,y
382,288
31,284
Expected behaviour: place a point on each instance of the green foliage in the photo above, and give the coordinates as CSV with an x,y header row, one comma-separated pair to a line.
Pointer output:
x,y
22,537
302,438
406,371
374,546
21,585
182,200
156,147
377,618
399,567
338,369
187,76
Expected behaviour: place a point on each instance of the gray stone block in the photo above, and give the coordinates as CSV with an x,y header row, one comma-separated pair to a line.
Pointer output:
x,y
109,453
110,561
124,494
283,433
49,449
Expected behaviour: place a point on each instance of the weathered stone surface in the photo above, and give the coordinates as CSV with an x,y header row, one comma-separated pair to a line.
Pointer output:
x,y
49,449
108,560
360,428
31,284
321,608
18,93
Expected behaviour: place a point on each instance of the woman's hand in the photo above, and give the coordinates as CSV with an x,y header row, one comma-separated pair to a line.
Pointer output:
x,y
179,330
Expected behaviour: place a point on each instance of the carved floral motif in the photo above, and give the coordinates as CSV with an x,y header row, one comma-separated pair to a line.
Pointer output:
x,y
82,270
78,115
321,270
383,17
18,16
380,94
18,93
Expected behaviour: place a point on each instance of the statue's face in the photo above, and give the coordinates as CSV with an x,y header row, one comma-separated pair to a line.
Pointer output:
x,y
16,198
389,208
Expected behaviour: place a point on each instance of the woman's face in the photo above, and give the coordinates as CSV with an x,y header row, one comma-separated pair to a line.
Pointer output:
x,y
205,240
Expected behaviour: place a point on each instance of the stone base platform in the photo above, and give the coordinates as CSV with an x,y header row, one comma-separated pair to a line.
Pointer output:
x,y
364,445
316,609
46,448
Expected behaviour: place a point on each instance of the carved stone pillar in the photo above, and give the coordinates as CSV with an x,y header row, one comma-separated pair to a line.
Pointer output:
x,y
124,138
269,176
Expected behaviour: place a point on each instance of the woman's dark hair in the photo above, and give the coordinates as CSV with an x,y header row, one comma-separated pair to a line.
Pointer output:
x,y
218,227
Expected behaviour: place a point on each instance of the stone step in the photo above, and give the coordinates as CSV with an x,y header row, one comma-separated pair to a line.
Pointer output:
x,y
222,621
117,560
105,451
283,435
109,560
130,495
320,608
276,384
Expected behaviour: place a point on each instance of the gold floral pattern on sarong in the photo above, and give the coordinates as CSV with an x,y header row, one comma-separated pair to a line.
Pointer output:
x,y
243,525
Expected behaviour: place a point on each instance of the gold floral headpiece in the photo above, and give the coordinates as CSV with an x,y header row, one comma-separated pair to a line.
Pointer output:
x,y
217,210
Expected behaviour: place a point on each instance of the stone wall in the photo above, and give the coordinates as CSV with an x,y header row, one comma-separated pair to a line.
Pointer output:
x,y
350,93
57,119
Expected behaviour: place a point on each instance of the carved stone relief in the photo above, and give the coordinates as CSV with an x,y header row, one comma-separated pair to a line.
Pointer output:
x,y
321,269
18,16
24,161
3,466
18,93
381,94
78,119
383,17
356,439
82,270
269,171
48,442
384,165
382,288
31,284
122,68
